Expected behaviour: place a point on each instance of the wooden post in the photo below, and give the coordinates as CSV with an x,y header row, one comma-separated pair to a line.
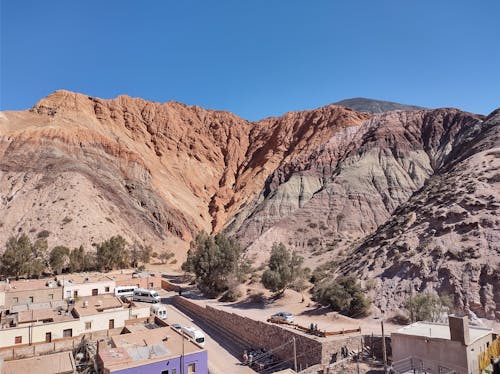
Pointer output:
x,y
294,355
384,353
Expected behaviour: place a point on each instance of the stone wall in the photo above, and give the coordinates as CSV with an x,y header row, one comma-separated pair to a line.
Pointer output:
x,y
310,350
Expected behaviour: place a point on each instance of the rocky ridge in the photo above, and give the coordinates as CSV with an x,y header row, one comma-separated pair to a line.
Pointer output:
x,y
370,194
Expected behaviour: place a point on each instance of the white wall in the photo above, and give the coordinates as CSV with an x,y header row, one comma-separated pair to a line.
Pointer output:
x,y
85,289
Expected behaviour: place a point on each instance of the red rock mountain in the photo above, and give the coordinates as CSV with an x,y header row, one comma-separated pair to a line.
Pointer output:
x,y
338,185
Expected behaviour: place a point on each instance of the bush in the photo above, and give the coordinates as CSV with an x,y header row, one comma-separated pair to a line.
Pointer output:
x,y
284,269
428,307
343,294
257,298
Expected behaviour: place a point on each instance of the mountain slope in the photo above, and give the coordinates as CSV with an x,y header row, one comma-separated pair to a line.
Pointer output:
x,y
446,236
362,104
406,197
155,173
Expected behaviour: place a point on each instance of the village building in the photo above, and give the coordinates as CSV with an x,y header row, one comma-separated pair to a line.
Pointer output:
x,y
88,314
57,363
137,279
440,348
152,350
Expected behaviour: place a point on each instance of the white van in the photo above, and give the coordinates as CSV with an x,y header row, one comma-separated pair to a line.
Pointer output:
x,y
126,291
194,334
149,296
159,310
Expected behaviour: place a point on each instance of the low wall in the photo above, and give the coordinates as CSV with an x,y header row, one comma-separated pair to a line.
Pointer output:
x,y
310,350
58,345
166,285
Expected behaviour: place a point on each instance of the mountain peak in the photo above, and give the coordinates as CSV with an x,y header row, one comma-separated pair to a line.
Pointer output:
x,y
362,104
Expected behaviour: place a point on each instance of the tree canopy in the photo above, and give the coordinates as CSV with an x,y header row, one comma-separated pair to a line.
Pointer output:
x,y
284,269
213,260
24,258
343,294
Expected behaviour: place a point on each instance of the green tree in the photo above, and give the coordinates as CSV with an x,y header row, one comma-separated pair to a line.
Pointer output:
x,y
213,260
24,258
77,259
15,257
145,254
59,258
284,269
343,294
112,253
428,307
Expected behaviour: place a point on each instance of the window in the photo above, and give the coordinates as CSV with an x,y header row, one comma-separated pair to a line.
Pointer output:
x,y
191,368
30,299
95,292
174,371
67,333
18,340
88,325
15,299
164,372
111,324
51,296
75,293
48,337
151,285
106,289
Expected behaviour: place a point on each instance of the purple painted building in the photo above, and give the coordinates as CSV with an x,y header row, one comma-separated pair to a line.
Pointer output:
x,y
160,351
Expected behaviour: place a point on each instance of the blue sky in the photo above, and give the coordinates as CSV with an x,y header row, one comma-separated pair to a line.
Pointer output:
x,y
255,58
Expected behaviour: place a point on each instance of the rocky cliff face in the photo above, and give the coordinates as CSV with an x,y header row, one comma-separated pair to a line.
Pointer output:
x,y
374,193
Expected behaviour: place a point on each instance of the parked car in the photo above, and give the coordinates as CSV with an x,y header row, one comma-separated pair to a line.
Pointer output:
x,y
283,316
176,326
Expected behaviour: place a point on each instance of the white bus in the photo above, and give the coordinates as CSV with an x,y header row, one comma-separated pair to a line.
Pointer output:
x,y
124,291
149,296
194,334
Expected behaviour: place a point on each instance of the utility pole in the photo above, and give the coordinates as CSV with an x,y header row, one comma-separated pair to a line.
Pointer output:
x,y
182,357
294,355
384,353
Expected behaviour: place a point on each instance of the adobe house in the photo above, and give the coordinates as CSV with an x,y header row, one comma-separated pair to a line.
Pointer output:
x,y
438,348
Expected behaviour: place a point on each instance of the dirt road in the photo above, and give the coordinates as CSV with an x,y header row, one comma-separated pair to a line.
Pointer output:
x,y
223,353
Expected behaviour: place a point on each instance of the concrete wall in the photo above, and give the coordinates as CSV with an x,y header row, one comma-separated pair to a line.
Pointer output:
x,y
310,350
65,344
200,359
99,322
14,297
433,352
152,283
36,333
474,350
2,300
85,289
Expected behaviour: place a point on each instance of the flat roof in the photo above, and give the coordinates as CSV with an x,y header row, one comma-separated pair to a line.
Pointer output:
x,y
43,315
97,304
81,278
28,285
145,346
439,331
62,362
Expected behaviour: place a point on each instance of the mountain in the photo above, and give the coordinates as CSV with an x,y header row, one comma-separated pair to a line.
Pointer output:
x,y
406,199
362,104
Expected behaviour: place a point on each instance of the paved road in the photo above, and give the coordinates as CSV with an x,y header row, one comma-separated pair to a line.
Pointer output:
x,y
223,354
